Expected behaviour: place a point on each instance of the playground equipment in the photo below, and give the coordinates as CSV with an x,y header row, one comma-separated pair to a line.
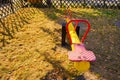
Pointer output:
x,y
79,55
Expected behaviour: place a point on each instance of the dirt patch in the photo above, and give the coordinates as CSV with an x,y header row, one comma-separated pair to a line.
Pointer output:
x,y
35,52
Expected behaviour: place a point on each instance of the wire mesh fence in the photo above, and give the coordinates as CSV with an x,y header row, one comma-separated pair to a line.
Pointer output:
x,y
10,24
9,6
78,3
87,3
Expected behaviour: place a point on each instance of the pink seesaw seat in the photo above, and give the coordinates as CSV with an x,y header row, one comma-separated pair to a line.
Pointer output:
x,y
81,54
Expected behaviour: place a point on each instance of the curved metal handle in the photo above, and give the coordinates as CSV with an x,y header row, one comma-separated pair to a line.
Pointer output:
x,y
77,21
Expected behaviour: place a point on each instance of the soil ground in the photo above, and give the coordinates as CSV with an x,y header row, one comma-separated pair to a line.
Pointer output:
x,y
35,52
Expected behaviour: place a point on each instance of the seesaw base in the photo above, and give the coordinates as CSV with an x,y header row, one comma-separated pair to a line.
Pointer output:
x,y
82,66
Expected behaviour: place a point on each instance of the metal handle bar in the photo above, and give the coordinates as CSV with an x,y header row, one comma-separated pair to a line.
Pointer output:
x,y
77,21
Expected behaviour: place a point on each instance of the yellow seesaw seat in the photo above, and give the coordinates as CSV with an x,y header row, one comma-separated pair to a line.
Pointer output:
x,y
81,66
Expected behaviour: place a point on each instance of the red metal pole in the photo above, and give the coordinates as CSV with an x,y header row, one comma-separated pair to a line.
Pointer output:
x,y
77,21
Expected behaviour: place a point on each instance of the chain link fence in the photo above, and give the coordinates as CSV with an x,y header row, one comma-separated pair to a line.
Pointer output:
x,y
10,24
77,3
10,6
12,18
87,3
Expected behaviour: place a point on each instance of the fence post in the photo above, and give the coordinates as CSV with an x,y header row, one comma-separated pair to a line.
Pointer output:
x,y
104,4
84,3
60,3
49,3
11,5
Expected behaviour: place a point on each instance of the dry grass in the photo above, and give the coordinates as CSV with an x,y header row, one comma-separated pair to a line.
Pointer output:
x,y
35,52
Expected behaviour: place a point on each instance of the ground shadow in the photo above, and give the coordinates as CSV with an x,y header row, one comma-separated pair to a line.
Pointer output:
x,y
103,38
13,22
58,71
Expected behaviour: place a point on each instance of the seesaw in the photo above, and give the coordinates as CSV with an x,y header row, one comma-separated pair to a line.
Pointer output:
x,y
79,55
